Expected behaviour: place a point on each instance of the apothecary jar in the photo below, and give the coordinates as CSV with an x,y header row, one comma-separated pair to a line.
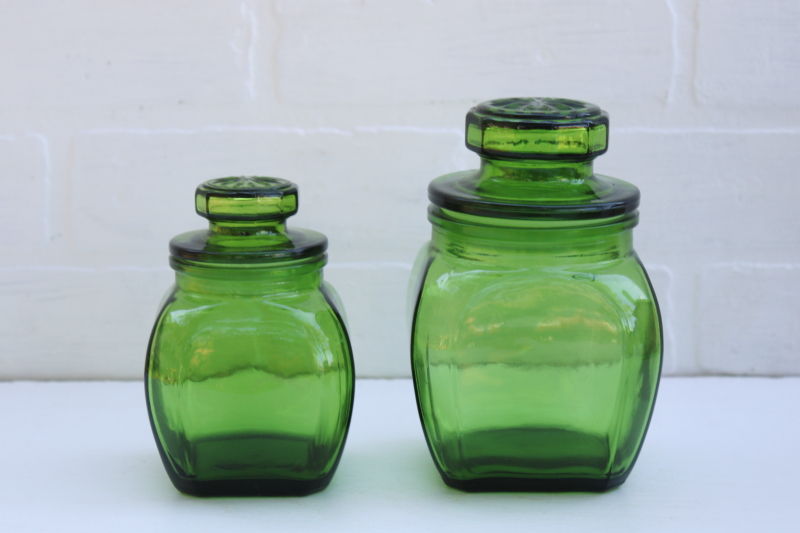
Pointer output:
x,y
249,375
536,337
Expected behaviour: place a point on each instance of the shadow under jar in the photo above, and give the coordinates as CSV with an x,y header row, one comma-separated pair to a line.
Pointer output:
x,y
536,338
249,375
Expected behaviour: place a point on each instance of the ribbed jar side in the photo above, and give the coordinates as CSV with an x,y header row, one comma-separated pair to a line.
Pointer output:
x,y
250,381
536,353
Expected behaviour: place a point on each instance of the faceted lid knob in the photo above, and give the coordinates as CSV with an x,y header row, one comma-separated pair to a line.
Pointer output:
x,y
246,198
537,128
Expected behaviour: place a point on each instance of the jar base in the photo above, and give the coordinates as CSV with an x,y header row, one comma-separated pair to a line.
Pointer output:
x,y
250,487
214,455
549,484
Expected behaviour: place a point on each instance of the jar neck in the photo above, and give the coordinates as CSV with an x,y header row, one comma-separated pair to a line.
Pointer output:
x,y
239,282
247,228
548,243
533,170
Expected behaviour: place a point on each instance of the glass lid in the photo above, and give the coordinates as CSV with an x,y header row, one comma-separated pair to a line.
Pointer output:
x,y
536,163
247,224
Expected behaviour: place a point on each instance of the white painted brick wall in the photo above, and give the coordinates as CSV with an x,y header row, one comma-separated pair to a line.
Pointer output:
x,y
112,112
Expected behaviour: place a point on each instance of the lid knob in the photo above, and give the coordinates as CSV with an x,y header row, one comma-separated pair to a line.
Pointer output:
x,y
246,198
537,128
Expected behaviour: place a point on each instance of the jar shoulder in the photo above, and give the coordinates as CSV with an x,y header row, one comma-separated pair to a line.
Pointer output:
x,y
282,334
625,277
184,309
466,299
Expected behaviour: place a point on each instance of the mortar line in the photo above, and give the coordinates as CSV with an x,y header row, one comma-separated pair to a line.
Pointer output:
x,y
701,130
675,52
80,269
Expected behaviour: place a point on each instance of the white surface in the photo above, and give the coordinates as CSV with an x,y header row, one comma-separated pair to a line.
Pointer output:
x,y
112,112
721,456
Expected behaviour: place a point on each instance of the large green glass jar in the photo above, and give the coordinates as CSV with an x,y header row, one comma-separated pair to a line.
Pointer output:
x,y
536,338
249,375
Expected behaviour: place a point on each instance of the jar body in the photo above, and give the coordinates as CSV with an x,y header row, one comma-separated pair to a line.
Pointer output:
x,y
249,384
536,354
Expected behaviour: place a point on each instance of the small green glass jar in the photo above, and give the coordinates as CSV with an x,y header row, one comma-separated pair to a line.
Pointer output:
x,y
249,375
536,338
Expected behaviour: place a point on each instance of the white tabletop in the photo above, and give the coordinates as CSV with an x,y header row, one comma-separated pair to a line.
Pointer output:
x,y
722,454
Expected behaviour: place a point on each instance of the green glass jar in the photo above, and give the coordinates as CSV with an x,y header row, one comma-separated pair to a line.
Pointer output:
x,y
536,338
249,375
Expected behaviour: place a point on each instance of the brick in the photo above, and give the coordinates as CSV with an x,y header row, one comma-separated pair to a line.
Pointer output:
x,y
25,202
748,53
374,296
78,323
379,53
102,54
701,189
748,319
